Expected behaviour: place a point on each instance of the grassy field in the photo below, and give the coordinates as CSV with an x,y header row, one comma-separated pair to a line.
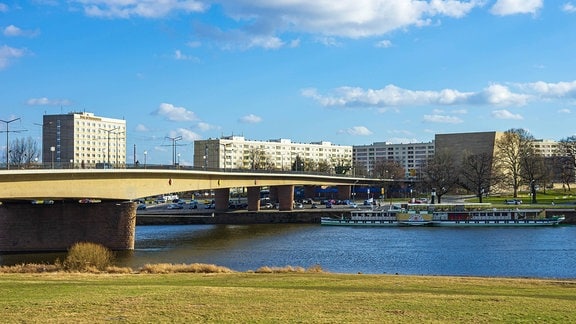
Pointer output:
x,y
281,297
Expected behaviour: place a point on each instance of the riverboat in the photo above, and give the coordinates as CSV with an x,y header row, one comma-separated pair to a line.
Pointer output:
x,y
481,215
386,216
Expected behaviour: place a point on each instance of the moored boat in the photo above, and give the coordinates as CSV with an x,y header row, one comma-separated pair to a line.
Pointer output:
x,y
386,216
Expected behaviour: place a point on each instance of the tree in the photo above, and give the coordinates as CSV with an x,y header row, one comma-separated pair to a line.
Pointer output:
x,y
23,151
511,148
567,149
388,169
440,174
261,160
476,173
324,167
532,170
298,164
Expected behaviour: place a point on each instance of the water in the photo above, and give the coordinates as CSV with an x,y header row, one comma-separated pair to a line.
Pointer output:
x,y
542,252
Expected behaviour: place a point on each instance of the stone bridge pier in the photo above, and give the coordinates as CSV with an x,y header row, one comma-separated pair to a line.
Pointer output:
x,y
25,227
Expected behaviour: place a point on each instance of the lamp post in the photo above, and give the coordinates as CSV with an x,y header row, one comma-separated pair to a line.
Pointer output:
x,y
52,149
7,122
178,161
145,155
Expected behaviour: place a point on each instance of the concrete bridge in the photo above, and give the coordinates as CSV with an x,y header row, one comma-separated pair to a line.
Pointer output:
x,y
67,218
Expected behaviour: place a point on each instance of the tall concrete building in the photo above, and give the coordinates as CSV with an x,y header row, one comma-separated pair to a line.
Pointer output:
x,y
81,139
472,143
236,152
412,156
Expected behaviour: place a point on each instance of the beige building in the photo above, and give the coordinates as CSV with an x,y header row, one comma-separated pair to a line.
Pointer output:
x,y
412,156
81,139
235,152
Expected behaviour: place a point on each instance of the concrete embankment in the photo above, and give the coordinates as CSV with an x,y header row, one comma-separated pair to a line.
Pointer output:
x,y
183,217
236,217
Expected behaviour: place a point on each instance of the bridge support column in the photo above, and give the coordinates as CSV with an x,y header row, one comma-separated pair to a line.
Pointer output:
x,y
273,194
309,191
344,192
253,198
222,197
286,197
56,227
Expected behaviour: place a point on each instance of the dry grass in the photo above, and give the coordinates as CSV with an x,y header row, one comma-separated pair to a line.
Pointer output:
x,y
183,268
289,269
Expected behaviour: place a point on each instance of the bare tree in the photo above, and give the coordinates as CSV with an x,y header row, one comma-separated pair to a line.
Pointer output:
x,y
324,167
567,148
532,170
388,169
476,173
441,173
261,160
23,151
511,147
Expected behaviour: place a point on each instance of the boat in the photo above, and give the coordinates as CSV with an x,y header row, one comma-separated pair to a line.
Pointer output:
x,y
383,216
483,215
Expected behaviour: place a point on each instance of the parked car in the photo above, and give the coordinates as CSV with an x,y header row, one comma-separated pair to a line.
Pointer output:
x,y
175,206
141,207
513,202
193,204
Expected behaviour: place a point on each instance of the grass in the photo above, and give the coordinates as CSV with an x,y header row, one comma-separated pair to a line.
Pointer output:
x,y
306,297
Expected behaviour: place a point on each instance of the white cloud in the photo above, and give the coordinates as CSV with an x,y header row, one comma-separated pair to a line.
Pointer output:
x,y
384,43
7,54
513,94
512,7
173,113
137,8
569,7
178,55
356,131
442,119
141,128
564,111
47,102
13,31
205,126
250,119
187,135
505,114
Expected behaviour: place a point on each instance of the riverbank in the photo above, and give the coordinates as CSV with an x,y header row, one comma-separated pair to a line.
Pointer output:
x,y
242,217
282,297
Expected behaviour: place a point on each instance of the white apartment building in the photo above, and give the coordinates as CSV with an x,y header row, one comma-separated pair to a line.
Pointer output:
x,y
81,139
236,152
412,156
546,148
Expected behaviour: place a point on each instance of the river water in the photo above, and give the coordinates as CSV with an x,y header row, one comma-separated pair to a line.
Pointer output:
x,y
542,252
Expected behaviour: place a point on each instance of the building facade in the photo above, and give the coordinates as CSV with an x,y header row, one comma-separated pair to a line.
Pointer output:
x,y
236,152
83,140
411,156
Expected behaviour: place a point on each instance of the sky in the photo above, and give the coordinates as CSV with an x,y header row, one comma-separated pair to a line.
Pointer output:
x,y
350,72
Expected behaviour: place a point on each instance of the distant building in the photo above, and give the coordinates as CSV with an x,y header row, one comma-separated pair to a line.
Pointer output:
x,y
471,143
81,139
235,152
412,156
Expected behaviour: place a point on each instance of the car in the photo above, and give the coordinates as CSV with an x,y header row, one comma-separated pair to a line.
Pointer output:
x,y
193,204
175,206
210,206
298,206
141,207
513,202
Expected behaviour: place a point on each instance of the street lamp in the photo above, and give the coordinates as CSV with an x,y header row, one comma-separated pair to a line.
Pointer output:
x,y
52,149
108,146
178,161
145,155
7,122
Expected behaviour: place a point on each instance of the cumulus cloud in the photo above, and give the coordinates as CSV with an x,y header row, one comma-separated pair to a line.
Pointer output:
x,y
505,114
140,8
13,31
514,94
8,54
512,7
187,135
179,56
262,23
564,111
356,131
384,43
141,128
47,102
250,119
442,119
569,7
173,113
202,126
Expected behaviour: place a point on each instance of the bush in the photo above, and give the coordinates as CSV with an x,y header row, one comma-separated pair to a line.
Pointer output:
x,y
88,257
184,268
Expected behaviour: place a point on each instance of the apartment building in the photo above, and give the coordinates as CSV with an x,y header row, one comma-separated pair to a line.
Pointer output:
x,y
81,139
411,156
236,152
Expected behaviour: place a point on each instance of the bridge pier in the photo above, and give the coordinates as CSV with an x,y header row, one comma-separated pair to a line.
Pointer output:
x,y
285,197
253,198
25,227
222,197
344,192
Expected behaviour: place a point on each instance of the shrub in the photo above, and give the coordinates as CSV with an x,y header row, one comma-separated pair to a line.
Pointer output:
x,y
88,257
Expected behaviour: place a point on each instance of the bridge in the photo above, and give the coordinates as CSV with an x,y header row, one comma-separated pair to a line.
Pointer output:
x,y
25,226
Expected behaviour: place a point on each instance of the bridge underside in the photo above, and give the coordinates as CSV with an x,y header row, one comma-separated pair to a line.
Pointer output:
x,y
56,227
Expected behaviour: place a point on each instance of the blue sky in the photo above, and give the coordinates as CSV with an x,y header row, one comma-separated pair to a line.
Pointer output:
x,y
351,72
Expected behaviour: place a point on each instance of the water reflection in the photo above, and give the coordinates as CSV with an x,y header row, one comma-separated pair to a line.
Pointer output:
x,y
516,252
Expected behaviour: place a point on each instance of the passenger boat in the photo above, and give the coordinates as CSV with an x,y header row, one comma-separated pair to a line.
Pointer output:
x,y
386,216
483,215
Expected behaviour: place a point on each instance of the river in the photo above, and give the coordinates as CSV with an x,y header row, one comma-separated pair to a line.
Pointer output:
x,y
541,252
